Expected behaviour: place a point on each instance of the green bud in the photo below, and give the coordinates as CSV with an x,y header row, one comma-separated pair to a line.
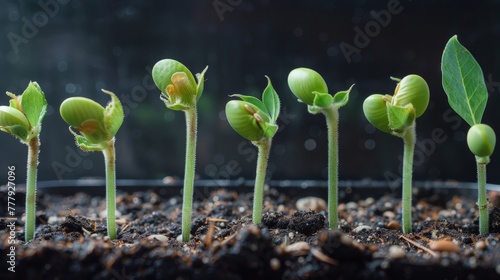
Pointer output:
x,y
481,140
95,123
375,110
308,85
177,84
412,89
249,121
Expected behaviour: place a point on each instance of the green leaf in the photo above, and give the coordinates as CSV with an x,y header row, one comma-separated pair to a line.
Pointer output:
x,y
113,115
321,99
85,144
342,97
34,104
201,83
252,100
271,101
463,82
400,117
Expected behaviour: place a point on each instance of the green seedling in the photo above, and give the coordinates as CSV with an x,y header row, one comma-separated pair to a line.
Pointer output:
x,y
255,120
464,84
180,92
396,115
96,128
310,88
23,119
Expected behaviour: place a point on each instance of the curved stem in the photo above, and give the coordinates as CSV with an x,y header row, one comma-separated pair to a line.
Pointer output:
x,y
332,121
33,150
482,201
264,147
409,139
189,171
109,161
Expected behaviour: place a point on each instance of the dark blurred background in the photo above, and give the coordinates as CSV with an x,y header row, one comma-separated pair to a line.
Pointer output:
x,y
75,48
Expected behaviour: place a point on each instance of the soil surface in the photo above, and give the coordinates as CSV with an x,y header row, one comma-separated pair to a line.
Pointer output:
x,y
71,243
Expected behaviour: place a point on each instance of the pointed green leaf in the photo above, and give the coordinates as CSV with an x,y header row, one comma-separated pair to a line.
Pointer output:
x,y
269,130
252,100
34,104
342,97
463,82
85,144
271,101
201,83
400,117
17,131
113,115
321,99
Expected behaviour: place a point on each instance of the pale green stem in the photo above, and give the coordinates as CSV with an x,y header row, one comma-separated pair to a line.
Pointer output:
x,y
482,201
332,122
409,139
189,171
33,150
264,147
109,161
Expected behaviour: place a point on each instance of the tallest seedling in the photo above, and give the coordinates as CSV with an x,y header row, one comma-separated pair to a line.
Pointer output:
x,y
180,92
464,85
310,88
23,119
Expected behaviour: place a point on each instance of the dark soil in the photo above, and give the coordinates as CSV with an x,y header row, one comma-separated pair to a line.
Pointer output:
x,y
70,240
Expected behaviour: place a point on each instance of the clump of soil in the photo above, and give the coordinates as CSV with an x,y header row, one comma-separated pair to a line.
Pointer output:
x,y
70,240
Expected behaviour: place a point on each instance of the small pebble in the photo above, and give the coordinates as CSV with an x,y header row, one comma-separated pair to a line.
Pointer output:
x,y
297,247
389,214
159,237
351,205
396,252
311,203
291,235
275,264
361,228
480,245
394,225
444,246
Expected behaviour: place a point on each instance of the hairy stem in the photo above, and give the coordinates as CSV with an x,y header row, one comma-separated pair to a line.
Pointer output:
x,y
189,171
482,201
409,139
33,150
109,161
332,122
264,147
